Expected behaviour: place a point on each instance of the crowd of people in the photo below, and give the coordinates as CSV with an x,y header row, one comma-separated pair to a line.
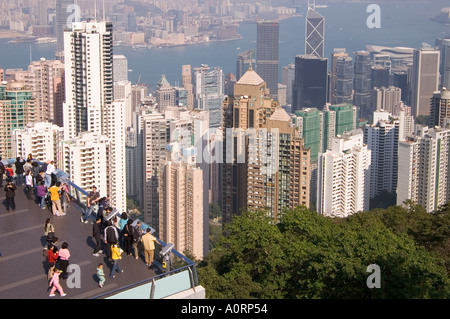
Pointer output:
x,y
114,235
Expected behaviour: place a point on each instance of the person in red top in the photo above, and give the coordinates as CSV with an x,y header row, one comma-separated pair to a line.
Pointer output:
x,y
52,257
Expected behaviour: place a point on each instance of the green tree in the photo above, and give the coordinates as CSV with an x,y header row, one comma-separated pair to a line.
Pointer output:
x,y
310,256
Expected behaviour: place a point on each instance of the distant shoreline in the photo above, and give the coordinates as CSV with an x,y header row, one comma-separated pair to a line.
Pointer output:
x,y
7,34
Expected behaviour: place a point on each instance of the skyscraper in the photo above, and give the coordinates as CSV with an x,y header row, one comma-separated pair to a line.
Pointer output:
x,y
382,139
90,105
445,63
440,108
62,16
315,30
425,79
310,83
209,92
423,176
343,178
344,80
386,98
265,164
337,53
165,94
186,81
88,76
243,62
40,139
17,109
362,83
267,43
181,201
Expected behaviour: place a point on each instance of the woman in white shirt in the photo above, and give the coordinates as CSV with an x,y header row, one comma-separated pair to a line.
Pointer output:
x,y
29,184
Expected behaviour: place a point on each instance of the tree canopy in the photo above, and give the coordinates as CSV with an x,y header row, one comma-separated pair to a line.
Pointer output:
x,y
306,255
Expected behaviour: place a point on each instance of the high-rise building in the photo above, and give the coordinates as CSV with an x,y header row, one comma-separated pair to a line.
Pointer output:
x,y
382,139
362,83
343,90
17,109
120,68
440,108
337,53
62,19
445,63
165,95
310,83
310,124
209,92
90,104
343,177
288,77
314,31
181,201
400,80
243,62
86,165
380,76
423,176
345,118
265,164
40,139
186,80
425,77
267,44
88,77
386,98
46,80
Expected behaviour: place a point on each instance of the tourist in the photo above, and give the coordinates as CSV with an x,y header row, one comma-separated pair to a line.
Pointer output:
x,y
52,258
48,173
29,184
19,171
10,193
100,275
96,234
64,255
128,237
64,197
55,198
110,236
92,199
116,255
41,193
137,237
148,241
54,283
49,230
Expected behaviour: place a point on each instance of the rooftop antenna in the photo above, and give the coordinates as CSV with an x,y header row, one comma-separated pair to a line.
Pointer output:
x,y
311,5
95,10
104,14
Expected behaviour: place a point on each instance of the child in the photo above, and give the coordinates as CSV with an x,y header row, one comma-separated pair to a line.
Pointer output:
x,y
56,284
100,275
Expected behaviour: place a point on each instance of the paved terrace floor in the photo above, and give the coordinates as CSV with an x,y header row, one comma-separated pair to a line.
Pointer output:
x,y
23,271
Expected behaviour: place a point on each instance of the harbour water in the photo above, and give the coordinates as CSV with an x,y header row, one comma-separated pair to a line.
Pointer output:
x,y
403,23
